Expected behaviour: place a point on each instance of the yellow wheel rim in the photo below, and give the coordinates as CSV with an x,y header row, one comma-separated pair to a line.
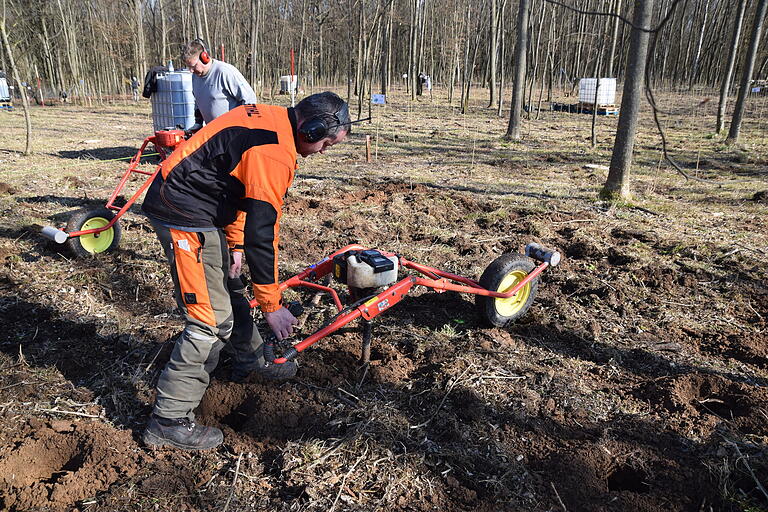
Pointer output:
x,y
512,305
97,242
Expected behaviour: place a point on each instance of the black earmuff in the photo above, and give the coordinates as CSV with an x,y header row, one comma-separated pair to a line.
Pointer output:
x,y
315,129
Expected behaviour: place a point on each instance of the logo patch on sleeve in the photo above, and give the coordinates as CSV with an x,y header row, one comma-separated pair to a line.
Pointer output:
x,y
252,110
190,298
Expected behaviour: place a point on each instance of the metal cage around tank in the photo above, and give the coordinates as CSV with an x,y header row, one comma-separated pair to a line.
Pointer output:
x,y
5,93
173,104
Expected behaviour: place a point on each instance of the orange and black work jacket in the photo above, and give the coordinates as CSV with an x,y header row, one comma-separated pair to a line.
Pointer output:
x,y
233,174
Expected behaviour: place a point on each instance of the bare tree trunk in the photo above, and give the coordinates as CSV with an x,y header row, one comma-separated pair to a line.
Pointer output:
x,y
254,36
384,49
697,55
597,72
493,51
617,185
412,35
680,31
163,35
360,50
15,73
728,75
197,13
204,21
465,69
390,28
300,60
518,87
534,59
141,57
350,35
503,57
612,53
746,77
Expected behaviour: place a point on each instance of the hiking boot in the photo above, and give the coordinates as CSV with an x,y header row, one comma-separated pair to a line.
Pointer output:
x,y
181,433
271,371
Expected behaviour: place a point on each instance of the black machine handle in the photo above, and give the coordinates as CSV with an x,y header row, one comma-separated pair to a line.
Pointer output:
x,y
296,310
541,253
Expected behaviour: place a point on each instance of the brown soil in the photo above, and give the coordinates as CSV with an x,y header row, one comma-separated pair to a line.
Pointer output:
x,y
636,382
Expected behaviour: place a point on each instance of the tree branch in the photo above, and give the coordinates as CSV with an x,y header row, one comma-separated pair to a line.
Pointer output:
x,y
622,18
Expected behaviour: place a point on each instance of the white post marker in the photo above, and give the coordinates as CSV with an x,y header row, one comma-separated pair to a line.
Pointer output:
x,y
378,99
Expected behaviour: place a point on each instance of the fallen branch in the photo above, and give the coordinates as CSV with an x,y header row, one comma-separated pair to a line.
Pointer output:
x,y
234,482
344,480
557,494
74,413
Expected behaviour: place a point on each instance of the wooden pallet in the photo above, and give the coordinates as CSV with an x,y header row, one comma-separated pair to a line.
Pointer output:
x,y
586,108
602,108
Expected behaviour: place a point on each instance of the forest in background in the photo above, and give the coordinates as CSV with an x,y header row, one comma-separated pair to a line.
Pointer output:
x,y
93,47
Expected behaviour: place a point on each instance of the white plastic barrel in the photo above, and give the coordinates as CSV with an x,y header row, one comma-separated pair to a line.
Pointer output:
x,y
605,96
5,93
173,104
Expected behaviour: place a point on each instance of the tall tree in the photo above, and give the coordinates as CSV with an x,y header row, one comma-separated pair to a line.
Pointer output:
x,y
141,57
15,73
518,86
493,51
617,186
728,75
746,77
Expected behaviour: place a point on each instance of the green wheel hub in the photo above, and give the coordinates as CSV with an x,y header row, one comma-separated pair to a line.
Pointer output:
x,y
95,243
510,306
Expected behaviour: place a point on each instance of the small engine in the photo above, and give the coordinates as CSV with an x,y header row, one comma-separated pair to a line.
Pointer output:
x,y
169,138
365,269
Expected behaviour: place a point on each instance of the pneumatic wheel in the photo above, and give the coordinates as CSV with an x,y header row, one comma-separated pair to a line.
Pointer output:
x,y
94,243
501,275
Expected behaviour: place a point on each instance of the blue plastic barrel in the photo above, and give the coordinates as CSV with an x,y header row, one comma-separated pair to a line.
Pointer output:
x,y
5,94
173,104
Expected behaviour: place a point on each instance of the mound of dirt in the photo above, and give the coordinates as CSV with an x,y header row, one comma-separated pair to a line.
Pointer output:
x,y
51,466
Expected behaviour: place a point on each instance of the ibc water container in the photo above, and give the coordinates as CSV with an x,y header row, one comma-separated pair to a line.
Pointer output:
x,y
288,83
173,104
5,94
606,95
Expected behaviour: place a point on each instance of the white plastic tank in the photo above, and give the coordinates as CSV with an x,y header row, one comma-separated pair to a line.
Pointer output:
x,y
588,92
173,104
288,83
5,93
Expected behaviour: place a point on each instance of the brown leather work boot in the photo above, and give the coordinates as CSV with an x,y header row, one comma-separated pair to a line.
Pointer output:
x,y
181,433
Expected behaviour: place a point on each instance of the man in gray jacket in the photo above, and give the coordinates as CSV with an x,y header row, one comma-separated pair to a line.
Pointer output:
x,y
218,87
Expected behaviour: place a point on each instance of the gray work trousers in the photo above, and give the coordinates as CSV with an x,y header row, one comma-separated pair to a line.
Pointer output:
x,y
215,311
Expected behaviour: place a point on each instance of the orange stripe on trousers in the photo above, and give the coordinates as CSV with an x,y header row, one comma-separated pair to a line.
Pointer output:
x,y
189,267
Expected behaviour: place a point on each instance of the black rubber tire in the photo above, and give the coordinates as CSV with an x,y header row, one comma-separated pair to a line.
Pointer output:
x,y
493,277
76,222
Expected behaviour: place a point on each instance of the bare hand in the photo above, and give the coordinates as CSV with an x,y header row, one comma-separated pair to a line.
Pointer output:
x,y
236,266
281,322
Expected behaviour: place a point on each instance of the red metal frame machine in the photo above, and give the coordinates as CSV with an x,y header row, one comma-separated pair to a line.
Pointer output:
x,y
504,292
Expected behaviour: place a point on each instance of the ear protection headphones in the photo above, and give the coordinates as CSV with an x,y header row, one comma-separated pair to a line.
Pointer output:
x,y
316,128
205,58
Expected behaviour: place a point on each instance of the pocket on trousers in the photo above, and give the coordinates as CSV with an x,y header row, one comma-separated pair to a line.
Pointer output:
x,y
193,285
